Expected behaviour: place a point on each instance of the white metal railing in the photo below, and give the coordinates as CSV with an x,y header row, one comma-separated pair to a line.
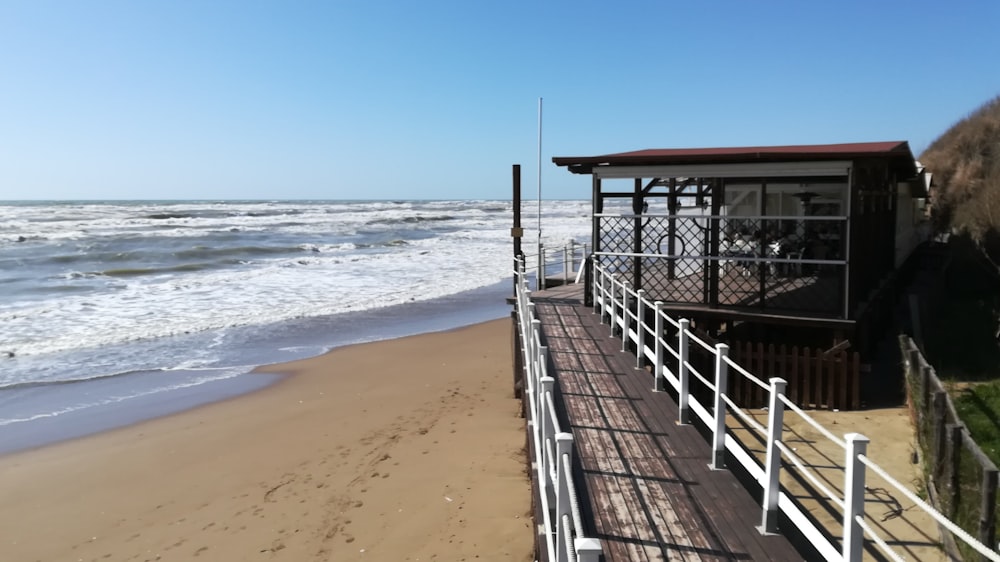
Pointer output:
x,y
626,312
565,262
564,536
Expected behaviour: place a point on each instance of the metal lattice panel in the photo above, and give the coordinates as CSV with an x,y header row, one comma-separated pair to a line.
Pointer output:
x,y
765,263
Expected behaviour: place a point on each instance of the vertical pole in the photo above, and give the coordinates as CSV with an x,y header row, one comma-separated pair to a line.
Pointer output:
x,y
640,331
772,464
567,265
987,508
610,296
719,432
625,316
854,498
541,262
682,371
541,266
658,363
516,232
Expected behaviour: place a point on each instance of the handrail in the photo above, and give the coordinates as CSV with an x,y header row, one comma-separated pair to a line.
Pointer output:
x,y
565,540
620,306
565,259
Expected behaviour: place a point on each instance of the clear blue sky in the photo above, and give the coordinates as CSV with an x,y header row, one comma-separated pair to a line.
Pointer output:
x,y
436,99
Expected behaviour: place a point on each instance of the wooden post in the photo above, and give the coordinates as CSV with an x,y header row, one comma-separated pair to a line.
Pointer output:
x,y
682,372
772,464
854,496
658,375
987,508
938,446
719,432
516,232
925,377
856,381
954,490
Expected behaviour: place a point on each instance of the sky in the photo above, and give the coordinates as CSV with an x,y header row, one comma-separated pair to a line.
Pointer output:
x,y
435,99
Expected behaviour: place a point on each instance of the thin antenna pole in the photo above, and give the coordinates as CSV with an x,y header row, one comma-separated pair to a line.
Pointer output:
x,y
539,172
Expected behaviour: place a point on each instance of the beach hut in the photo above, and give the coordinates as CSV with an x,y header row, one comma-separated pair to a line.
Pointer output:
x,y
795,244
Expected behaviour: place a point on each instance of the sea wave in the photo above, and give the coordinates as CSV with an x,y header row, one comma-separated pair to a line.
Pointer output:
x,y
18,385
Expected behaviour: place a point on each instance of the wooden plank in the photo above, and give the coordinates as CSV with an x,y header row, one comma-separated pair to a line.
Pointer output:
x,y
628,446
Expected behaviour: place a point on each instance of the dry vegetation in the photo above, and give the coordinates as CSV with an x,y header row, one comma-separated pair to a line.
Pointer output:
x,y
965,162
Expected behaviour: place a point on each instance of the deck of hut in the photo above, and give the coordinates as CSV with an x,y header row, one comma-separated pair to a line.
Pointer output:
x,y
648,491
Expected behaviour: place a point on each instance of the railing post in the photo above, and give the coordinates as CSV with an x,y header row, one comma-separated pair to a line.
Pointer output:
x,y
564,446
640,330
719,432
541,267
547,436
854,496
536,327
624,311
588,550
625,314
597,285
567,265
658,377
772,464
610,299
683,346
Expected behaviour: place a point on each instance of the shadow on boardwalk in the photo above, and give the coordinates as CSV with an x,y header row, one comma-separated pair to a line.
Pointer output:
x,y
649,493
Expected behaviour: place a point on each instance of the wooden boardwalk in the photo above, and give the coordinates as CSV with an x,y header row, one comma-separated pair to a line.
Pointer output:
x,y
647,491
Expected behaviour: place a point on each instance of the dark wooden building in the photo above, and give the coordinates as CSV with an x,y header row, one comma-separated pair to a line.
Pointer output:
x,y
792,243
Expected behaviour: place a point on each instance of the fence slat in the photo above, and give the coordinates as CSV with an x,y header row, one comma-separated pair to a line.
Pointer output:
x,y
797,376
831,381
842,380
806,378
855,381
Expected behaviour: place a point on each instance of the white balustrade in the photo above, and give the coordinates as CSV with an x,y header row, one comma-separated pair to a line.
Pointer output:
x,y
553,449
619,311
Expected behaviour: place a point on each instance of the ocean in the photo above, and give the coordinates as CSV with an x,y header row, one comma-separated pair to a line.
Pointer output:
x,y
115,311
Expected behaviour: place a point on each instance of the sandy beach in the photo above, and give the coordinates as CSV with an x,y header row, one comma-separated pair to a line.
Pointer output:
x,y
408,449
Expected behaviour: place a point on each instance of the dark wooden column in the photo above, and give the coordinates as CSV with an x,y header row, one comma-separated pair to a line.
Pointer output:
x,y
637,234
714,231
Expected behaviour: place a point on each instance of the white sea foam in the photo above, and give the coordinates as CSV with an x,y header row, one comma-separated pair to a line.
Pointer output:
x,y
90,276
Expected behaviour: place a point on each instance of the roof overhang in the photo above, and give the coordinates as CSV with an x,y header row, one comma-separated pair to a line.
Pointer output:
x,y
834,168
897,153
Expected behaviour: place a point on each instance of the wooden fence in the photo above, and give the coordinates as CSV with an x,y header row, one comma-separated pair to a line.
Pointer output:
x,y
962,480
816,379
